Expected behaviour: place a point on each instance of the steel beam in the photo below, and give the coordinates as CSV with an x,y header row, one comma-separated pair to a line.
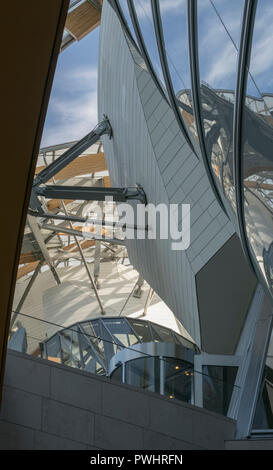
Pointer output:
x,y
41,242
73,152
98,246
76,218
81,254
25,293
91,193
148,301
255,361
78,233
138,291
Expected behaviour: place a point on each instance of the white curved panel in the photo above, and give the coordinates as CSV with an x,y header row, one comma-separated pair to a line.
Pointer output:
x,y
148,148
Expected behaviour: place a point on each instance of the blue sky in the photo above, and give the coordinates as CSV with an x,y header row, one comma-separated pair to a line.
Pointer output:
x,y
217,54
72,110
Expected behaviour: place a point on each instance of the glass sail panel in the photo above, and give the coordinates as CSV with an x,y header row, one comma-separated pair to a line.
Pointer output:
x,y
257,144
175,30
219,27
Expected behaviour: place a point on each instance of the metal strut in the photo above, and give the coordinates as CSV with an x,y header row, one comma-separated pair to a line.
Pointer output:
x,y
79,192
91,194
103,128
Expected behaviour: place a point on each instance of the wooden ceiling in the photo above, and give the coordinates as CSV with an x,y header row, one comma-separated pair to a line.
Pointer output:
x,y
91,163
83,19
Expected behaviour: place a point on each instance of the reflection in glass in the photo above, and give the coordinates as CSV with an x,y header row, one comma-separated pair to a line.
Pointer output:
x,y
258,143
178,379
165,334
125,11
175,30
144,373
218,31
167,376
263,418
142,330
53,349
117,374
145,18
218,385
90,345
218,35
121,331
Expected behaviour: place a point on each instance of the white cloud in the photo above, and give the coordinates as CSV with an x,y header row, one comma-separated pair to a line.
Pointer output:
x,y
223,67
83,78
217,53
73,106
262,52
144,10
171,5
218,56
75,119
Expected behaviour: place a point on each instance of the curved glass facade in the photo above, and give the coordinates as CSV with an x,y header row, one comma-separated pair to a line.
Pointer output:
x,y
263,418
167,376
257,163
145,19
177,52
90,345
216,38
217,68
143,354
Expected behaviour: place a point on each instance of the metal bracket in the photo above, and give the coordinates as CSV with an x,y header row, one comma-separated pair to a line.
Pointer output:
x,y
104,127
137,193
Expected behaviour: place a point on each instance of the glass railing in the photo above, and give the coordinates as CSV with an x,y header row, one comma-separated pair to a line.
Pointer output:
x,y
173,377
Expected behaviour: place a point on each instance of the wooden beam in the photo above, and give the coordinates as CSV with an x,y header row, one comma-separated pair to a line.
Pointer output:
x,y
256,185
27,257
107,182
91,163
74,247
54,359
28,268
82,20
53,204
83,228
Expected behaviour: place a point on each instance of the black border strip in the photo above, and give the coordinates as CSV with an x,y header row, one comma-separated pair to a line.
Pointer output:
x,y
143,48
118,10
238,161
242,75
166,72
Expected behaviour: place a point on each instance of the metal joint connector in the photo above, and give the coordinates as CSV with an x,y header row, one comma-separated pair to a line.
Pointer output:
x,y
104,127
137,193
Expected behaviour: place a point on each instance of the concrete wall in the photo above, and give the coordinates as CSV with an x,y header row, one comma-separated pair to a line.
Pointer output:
x,y
48,406
250,444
